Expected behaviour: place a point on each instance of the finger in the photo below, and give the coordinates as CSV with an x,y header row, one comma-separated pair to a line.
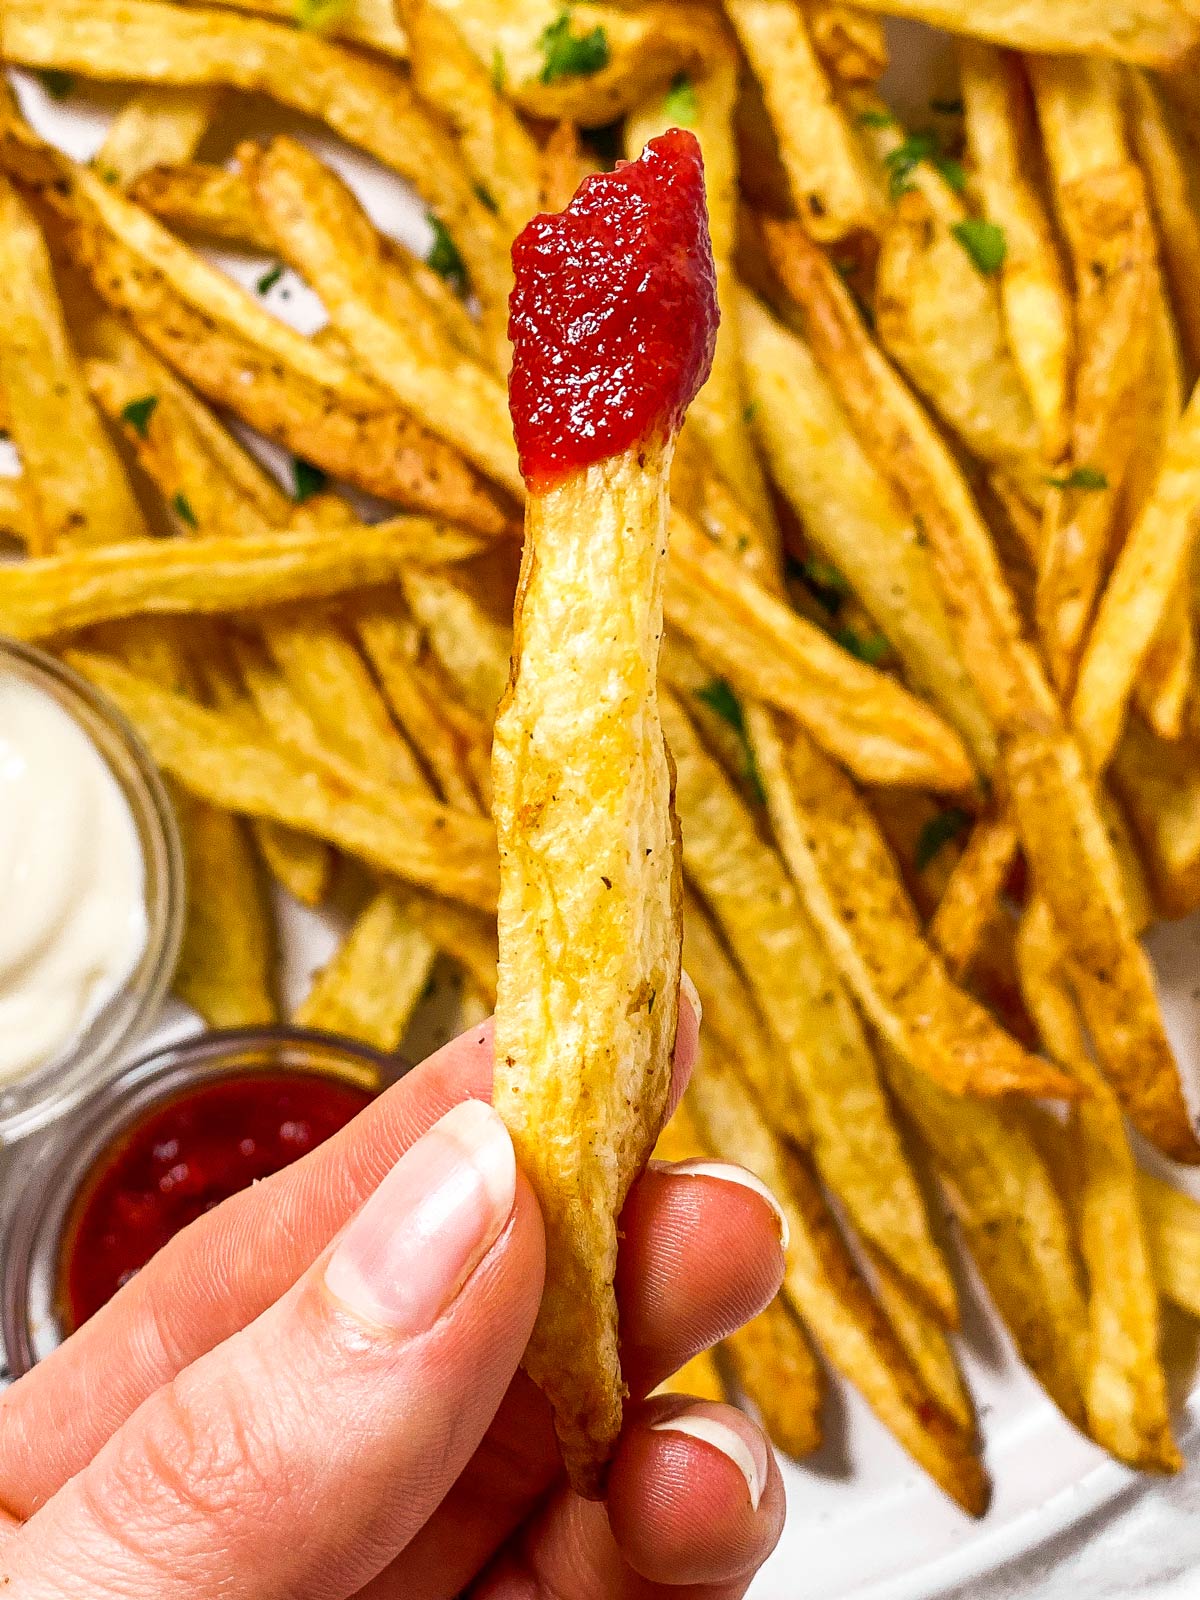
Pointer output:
x,y
701,1253
301,1455
225,1269
695,1507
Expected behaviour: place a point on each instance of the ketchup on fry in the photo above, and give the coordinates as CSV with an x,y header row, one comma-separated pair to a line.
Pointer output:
x,y
613,316
180,1161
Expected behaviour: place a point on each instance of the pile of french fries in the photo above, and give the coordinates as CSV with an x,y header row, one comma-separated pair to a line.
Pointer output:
x,y
930,669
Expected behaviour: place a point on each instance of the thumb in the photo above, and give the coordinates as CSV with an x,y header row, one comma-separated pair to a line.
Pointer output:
x,y
298,1458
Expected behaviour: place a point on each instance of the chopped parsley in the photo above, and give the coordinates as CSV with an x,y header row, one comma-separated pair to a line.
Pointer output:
x,y
749,411
868,647
1081,478
680,105
904,160
138,413
984,242
947,108
876,119
823,581
182,508
57,84
319,14
270,278
569,55
937,833
307,480
499,71
444,257
719,697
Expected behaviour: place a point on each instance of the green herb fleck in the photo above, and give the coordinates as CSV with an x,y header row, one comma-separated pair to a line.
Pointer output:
x,y
109,175
904,160
1081,478
307,480
953,172
569,55
270,278
444,257
984,242
318,14
182,508
947,108
749,411
485,197
57,84
499,72
681,106
823,581
868,647
138,413
937,833
719,697
877,119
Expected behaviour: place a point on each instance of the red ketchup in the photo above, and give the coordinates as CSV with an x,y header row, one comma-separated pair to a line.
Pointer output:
x,y
613,316
183,1159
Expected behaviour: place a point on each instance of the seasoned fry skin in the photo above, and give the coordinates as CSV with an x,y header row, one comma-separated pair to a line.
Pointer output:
x,y
590,910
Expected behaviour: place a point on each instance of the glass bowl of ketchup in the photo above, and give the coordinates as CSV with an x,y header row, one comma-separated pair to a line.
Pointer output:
x,y
178,1131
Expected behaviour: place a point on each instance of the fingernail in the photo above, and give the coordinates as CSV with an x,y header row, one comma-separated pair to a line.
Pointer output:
x,y
691,995
405,1257
727,1173
748,1454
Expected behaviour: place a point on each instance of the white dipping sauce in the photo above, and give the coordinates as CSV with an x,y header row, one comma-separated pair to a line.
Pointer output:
x,y
72,880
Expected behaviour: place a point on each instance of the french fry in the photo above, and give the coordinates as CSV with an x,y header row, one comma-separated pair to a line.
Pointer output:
x,y
827,1292
700,1377
15,510
366,22
972,893
211,201
466,937
155,126
853,893
1154,32
850,42
473,648
1014,1224
1173,1231
322,228
397,832
370,989
1152,562
227,959
925,1343
852,518
1175,197
59,594
365,101
827,1059
1126,1393
1159,783
831,183
866,719
774,1364
74,487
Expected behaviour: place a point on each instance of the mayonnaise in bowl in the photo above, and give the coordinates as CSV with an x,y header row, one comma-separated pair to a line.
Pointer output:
x,y
72,880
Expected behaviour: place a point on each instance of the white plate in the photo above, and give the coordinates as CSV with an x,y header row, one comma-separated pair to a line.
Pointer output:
x,y
863,1522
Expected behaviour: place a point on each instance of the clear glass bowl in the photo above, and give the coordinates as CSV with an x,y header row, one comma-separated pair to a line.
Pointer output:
x,y
42,1176
39,1097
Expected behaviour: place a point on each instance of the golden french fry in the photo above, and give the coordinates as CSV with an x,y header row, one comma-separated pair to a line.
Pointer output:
x,y
1155,32
866,719
1163,690
853,892
474,649
59,594
1075,869
825,1289
212,201
1014,1224
590,909
830,179
850,42
321,227
850,515
155,126
972,894
700,1377
370,989
774,1364
925,1343
1173,1232
1174,184
1126,1394
74,487
828,1067
1152,562
365,101
1159,783
226,967
366,22
395,831
466,937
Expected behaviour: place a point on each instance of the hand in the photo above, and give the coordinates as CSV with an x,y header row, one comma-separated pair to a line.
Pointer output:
x,y
314,1390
